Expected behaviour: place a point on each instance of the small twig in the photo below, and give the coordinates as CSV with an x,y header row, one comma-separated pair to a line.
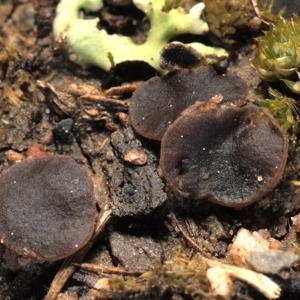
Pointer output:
x,y
294,182
121,90
68,267
188,238
106,102
99,268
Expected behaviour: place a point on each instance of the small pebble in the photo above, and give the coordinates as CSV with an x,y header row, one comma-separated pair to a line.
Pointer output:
x,y
36,151
13,157
271,261
136,157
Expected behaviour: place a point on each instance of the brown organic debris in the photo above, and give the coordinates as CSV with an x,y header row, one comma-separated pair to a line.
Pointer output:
x,y
100,268
13,157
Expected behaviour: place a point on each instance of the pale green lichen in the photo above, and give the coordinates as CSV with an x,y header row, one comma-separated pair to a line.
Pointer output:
x,y
87,45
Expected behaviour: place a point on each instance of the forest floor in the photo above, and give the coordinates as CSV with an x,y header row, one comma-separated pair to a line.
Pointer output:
x,y
47,100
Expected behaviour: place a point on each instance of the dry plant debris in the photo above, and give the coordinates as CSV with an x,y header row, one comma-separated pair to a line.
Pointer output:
x,y
264,284
220,281
245,242
190,276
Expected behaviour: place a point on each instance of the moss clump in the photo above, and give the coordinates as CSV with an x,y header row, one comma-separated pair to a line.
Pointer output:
x,y
225,16
187,276
278,55
284,110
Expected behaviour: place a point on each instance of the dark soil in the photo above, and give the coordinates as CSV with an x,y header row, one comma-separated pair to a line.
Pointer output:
x,y
45,99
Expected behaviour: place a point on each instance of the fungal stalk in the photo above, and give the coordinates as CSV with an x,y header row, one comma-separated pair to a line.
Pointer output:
x,y
87,45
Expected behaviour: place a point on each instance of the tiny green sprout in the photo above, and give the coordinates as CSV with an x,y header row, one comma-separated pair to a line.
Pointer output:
x,y
284,110
111,59
87,45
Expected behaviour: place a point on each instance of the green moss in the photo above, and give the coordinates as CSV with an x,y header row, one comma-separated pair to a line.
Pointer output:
x,y
184,275
278,55
284,110
266,13
225,16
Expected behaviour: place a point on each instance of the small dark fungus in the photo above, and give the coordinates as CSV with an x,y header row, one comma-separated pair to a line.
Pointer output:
x,y
228,154
62,134
157,103
47,207
175,56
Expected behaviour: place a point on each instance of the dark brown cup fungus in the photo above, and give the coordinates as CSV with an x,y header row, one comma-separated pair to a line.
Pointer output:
x,y
47,207
231,155
175,56
157,103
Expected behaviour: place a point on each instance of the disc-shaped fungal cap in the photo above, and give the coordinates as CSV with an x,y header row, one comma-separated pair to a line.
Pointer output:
x,y
231,155
157,103
47,208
